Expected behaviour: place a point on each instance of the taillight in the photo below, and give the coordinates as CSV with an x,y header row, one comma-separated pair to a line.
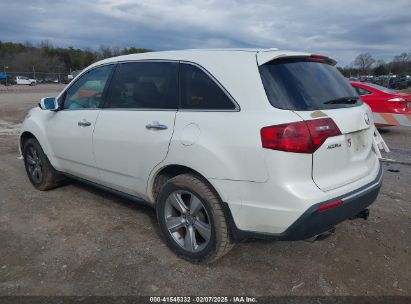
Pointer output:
x,y
321,129
299,137
397,99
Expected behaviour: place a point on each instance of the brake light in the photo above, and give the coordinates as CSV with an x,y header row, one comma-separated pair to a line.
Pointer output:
x,y
299,137
329,206
315,57
323,59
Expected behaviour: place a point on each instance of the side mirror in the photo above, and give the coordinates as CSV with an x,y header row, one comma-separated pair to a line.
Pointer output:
x,y
49,103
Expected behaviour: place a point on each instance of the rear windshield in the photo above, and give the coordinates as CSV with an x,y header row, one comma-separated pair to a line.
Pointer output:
x,y
303,85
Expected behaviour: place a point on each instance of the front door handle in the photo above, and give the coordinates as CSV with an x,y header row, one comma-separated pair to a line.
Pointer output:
x,y
156,126
84,123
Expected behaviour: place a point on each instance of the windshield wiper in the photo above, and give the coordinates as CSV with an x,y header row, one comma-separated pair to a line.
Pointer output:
x,y
343,100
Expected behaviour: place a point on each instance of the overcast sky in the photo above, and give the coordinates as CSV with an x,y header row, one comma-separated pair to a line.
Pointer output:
x,y
338,28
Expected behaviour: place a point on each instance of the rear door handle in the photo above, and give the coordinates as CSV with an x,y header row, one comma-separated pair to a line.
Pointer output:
x,y
156,126
84,123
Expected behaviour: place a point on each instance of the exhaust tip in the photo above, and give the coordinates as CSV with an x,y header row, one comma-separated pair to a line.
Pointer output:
x,y
321,236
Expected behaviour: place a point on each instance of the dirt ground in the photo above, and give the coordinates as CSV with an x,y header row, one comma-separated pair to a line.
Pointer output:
x,y
76,240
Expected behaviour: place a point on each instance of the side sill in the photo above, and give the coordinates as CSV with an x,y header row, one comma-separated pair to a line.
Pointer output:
x,y
108,189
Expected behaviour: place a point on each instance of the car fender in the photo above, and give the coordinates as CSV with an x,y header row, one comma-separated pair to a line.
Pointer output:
x,y
189,167
36,123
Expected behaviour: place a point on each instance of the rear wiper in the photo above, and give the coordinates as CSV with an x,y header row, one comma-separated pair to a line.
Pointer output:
x,y
343,100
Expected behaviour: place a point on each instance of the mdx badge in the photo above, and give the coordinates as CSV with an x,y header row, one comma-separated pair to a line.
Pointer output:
x,y
333,146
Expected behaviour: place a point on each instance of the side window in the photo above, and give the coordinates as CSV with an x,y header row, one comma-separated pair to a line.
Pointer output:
x,y
86,92
199,91
362,91
144,85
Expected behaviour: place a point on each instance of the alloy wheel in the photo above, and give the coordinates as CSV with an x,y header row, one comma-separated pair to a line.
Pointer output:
x,y
187,221
34,164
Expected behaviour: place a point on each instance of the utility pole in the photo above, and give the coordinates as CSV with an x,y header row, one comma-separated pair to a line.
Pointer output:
x,y
34,73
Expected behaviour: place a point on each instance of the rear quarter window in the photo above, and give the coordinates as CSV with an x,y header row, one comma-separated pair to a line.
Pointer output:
x,y
303,85
362,91
200,92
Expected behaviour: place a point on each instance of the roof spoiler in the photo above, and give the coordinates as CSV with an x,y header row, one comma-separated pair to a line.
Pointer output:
x,y
266,56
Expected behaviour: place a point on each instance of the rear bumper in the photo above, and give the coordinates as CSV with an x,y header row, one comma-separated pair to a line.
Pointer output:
x,y
312,222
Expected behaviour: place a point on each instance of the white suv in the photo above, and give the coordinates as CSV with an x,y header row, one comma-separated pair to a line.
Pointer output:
x,y
225,144
25,80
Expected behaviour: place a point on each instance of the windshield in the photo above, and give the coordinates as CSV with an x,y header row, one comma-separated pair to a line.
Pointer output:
x,y
303,85
381,88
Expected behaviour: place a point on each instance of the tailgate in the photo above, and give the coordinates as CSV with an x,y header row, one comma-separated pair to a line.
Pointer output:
x,y
348,157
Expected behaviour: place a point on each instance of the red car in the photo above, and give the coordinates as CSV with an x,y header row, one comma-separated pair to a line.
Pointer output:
x,y
383,100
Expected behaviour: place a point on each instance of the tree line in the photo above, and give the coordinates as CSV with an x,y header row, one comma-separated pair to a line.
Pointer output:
x,y
366,64
43,60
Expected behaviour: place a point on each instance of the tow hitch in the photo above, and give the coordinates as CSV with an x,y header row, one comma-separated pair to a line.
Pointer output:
x,y
364,214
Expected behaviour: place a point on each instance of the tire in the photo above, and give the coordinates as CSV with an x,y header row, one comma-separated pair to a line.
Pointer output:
x,y
40,172
191,219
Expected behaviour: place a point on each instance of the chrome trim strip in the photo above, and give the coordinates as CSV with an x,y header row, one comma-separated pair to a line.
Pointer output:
x,y
138,109
237,106
93,167
79,109
365,190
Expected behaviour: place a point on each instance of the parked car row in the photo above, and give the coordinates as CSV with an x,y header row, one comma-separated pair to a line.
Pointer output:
x,y
397,82
7,79
400,82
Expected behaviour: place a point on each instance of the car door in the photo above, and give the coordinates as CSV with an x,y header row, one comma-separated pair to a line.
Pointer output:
x,y
366,96
70,129
26,80
21,80
135,126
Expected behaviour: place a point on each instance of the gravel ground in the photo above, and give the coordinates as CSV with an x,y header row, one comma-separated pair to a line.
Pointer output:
x,y
76,240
